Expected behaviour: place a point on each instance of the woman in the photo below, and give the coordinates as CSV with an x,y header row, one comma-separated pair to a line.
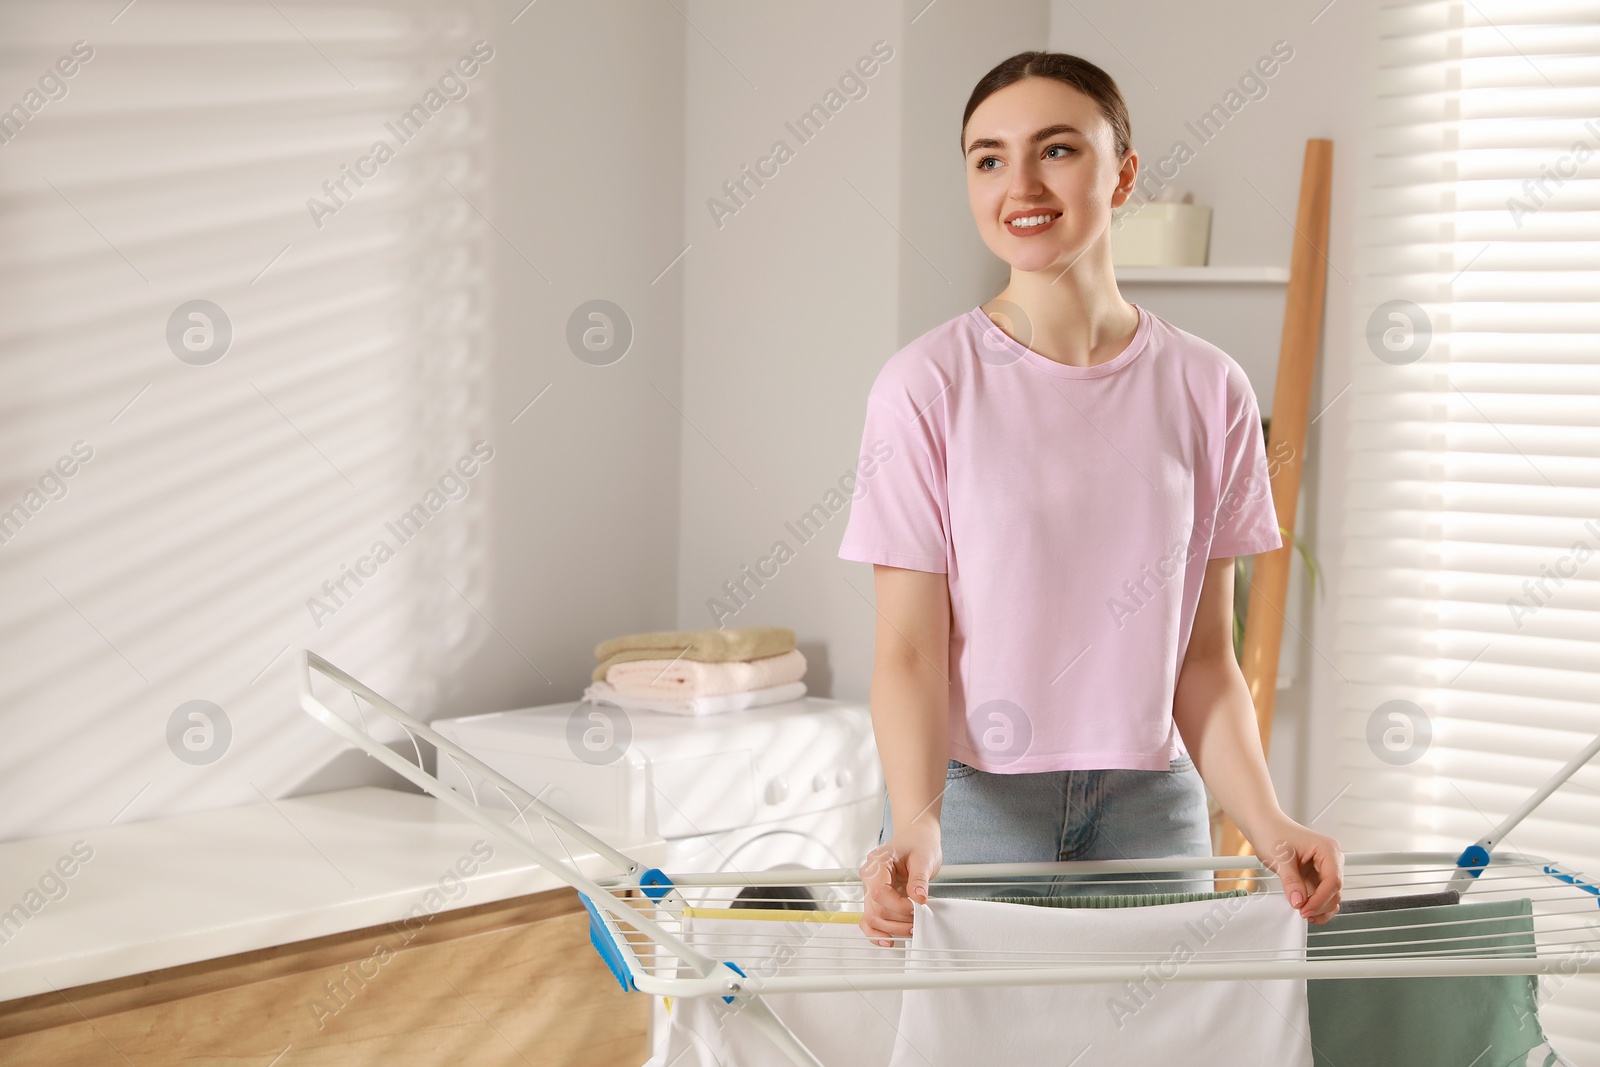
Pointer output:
x,y
1058,487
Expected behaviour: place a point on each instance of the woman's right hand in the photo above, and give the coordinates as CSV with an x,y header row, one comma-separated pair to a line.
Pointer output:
x,y
896,874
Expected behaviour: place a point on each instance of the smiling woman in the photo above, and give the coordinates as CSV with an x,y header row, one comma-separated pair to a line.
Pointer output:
x,y
1053,441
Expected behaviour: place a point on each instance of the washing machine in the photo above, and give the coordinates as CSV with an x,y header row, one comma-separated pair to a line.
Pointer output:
x,y
795,784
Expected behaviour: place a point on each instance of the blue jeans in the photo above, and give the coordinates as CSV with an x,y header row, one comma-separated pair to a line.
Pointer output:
x,y
1096,814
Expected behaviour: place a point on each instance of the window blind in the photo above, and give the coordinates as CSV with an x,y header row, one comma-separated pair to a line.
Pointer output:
x,y
1469,616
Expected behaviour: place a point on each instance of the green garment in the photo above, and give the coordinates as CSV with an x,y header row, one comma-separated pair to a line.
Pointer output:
x,y
1483,1020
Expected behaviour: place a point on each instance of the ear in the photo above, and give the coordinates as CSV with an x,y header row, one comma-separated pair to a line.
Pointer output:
x,y
1126,178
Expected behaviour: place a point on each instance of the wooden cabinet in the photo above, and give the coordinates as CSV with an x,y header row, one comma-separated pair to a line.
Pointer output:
x,y
509,983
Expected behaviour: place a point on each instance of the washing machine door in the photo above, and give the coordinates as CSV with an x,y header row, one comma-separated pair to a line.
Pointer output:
x,y
781,850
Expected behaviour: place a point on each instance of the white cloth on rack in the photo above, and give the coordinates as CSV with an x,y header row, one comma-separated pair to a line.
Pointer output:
x,y
1156,1020
603,693
847,1029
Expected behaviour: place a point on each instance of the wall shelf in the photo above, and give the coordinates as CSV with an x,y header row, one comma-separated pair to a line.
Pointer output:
x,y
1204,275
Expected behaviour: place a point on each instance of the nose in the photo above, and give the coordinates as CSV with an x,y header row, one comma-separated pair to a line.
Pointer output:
x,y
1026,182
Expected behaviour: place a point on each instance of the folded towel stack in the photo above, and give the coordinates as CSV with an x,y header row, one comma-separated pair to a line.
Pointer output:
x,y
698,672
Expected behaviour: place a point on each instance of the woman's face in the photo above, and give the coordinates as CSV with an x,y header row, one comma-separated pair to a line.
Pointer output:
x,y
1043,173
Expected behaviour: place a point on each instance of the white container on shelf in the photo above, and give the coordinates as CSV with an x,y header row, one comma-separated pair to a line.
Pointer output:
x,y
1162,234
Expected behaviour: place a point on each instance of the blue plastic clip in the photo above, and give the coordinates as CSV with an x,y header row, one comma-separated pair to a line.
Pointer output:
x,y
1474,860
1573,880
735,966
601,939
655,884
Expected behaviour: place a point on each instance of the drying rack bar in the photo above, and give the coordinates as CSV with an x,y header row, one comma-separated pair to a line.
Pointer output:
x,y
521,800
640,919
1194,971
604,906
1410,861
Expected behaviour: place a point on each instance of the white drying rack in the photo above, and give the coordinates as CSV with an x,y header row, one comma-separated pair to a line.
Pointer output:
x,y
639,917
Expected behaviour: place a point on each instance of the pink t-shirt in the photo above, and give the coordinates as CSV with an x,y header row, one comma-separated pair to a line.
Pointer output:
x,y
1073,510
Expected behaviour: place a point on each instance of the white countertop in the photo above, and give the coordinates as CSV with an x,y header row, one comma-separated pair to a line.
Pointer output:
x,y
172,891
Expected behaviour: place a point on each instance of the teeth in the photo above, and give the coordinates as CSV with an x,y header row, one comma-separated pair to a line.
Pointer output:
x,y
1031,220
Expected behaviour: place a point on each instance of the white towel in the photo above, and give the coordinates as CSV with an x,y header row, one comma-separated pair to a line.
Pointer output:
x,y
603,693
846,1029
1157,1021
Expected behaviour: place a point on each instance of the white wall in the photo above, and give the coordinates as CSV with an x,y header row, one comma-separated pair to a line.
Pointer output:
x,y
790,308
588,184
180,563
368,354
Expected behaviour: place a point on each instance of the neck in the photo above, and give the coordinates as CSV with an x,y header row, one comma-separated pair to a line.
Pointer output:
x,y
1075,313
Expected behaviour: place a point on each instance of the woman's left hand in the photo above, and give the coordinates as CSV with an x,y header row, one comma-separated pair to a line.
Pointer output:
x,y
1310,866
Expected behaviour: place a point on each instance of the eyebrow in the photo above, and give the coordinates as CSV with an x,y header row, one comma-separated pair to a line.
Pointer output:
x,y
1043,135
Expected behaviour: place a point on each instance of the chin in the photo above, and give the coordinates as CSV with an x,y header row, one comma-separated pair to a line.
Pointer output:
x,y
1032,259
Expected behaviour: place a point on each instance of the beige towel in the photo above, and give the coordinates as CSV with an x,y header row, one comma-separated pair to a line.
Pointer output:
x,y
706,646
657,678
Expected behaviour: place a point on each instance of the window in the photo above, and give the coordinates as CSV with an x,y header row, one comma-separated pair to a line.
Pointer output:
x,y
1471,567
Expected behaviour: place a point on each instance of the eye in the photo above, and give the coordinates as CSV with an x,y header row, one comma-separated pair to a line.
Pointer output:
x,y
983,164
1062,147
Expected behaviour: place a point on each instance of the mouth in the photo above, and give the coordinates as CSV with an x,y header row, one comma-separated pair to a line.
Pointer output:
x,y
1028,223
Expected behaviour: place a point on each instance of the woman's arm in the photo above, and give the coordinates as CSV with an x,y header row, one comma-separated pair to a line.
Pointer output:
x,y
910,703
1217,719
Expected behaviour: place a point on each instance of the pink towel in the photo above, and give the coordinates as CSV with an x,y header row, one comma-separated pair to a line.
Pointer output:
x,y
666,679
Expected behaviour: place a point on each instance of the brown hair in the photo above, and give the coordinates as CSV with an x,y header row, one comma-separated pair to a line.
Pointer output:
x,y
1080,74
